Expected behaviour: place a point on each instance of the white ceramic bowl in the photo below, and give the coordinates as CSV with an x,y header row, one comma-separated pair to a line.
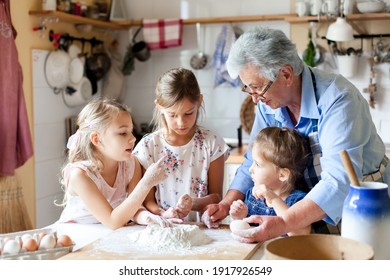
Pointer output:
x,y
371,7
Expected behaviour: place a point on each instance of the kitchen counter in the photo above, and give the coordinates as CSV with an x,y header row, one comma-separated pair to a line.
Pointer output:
x,y
237,155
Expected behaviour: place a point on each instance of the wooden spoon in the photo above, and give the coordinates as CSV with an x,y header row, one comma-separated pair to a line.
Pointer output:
x,y
349,167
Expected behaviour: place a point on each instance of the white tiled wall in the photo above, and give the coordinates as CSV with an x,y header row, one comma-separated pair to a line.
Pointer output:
x,y
222,103
49,142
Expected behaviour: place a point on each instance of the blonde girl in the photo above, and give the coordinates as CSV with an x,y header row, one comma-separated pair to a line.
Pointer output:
x,y
195,155
102,179
279,158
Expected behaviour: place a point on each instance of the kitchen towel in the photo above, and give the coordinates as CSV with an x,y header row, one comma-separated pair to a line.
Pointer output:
x,y
16,145
224,43
162,33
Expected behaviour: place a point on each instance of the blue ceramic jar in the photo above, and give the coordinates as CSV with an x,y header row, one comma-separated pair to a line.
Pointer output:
x,y
366,217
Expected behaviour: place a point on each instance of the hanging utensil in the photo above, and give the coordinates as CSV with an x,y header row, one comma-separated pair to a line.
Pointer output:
x,y
199,60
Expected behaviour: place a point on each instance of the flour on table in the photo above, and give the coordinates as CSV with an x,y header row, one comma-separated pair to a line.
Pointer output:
x,y
170,238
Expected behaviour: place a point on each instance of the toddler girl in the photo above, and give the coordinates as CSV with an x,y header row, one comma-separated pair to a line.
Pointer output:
x,y
279,158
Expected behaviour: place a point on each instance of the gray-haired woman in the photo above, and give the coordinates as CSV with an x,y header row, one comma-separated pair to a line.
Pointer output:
x,y
325,107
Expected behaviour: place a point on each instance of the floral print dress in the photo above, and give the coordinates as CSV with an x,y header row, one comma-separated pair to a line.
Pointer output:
x,y
187,166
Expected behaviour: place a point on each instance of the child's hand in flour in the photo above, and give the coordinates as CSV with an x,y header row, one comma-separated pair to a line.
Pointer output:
x,y
156,219
183,206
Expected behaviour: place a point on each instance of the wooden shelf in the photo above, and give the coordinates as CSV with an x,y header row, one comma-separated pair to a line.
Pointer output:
x,y
122,25
353,17
215,20
78,19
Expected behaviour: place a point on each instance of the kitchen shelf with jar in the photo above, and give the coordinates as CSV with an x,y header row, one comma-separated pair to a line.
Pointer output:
x,y
69,18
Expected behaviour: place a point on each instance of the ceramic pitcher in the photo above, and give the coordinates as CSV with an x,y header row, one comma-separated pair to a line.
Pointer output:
x,y
366,217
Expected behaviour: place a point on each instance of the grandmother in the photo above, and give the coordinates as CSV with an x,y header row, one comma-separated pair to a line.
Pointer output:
x,y
326,108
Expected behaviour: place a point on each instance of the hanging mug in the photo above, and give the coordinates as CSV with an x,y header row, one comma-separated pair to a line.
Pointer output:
x,y
366,217
140,49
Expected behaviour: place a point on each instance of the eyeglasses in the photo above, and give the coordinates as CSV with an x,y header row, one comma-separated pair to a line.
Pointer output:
x,y
247,90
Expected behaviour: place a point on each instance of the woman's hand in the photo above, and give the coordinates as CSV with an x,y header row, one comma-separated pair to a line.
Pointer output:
x,y
269,227
238,210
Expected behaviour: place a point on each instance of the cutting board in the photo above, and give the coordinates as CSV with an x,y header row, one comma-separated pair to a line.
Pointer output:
x,y
117,245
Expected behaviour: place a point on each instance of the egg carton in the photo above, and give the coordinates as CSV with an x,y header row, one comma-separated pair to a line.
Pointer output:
x,y
43,254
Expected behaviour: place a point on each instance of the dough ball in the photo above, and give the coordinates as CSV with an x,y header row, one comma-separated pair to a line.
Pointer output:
x,y
239,225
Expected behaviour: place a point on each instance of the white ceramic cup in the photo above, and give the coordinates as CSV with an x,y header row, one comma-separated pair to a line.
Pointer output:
x,y
331,7
349,7
302,8
315,7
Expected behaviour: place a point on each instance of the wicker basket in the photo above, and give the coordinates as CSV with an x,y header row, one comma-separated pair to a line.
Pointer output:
x,y
247,114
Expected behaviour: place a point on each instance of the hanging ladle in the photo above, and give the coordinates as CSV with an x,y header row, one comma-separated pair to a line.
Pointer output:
x,y
199,60
349,167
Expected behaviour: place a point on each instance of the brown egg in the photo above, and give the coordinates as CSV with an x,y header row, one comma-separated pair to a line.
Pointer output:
x,y
30,245
64,240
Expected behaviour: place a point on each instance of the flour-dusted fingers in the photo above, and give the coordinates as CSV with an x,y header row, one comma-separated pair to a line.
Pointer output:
x,y
206,219
161,221
217,212
184,206
156,172
170,213
238,210
175,220
244,236
236,206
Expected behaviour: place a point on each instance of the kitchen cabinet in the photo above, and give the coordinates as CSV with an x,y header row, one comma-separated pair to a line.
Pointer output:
x,y
236,158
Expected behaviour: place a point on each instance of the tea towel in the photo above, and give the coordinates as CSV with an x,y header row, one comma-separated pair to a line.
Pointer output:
x,y
223,45
162,33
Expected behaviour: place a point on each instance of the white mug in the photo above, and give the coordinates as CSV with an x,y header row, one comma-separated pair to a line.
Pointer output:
x,y
348,7
331,7
315,7
302,8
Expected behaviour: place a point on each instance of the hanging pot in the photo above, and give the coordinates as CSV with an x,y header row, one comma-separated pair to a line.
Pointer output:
x,y
140,49
78,94
99,63
199,60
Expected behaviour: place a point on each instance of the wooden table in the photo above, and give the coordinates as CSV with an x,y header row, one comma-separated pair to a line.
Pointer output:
x,y
117,245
